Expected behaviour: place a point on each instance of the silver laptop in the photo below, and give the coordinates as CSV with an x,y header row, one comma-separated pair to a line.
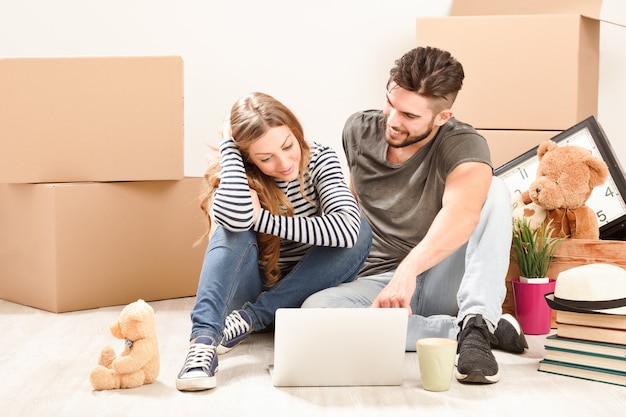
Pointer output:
x,y
339,346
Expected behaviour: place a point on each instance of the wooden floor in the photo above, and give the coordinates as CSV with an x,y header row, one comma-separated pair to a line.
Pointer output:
x,y
45,359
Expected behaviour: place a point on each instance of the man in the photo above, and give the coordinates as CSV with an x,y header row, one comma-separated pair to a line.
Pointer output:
x,y
441,221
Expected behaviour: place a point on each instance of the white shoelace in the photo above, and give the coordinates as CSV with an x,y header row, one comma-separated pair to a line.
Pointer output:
x,y
235,326
199,356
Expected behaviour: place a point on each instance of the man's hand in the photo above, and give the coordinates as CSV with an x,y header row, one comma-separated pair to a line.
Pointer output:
x,y
466,190
398,293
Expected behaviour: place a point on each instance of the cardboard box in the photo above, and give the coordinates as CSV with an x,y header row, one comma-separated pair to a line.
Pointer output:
x,y
571,253
535,72
91,119
75,246
604,10
506,145
510,61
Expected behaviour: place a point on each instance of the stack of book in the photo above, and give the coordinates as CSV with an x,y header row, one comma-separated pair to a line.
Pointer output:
x,y
588,346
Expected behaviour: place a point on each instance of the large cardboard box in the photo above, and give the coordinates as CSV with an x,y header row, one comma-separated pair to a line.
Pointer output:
x,y
604,10
74,246
535,72
91,119
506,145
572,253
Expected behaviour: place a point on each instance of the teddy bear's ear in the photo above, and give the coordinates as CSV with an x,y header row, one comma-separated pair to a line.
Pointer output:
x,y
545,147
598,171
137,315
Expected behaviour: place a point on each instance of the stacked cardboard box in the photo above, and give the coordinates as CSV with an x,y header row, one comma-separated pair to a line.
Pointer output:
x,y
531,71
94,206
531,67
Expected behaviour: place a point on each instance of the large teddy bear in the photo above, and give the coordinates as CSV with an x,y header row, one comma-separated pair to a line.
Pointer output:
x,y
565,178
139,363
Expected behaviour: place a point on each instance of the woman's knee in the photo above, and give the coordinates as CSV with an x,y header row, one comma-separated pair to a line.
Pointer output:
x,y
225,238
365,235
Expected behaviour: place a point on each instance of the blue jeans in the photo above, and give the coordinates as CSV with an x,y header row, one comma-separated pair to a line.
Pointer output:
x,y
230,279
470,281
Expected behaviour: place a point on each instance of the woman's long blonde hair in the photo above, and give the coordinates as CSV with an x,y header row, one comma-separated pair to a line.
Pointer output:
x,y
250,118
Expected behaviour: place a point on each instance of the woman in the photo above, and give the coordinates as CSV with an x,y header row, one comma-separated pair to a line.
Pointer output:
x,y
287,226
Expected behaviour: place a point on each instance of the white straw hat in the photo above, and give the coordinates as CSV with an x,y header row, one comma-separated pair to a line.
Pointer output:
x,y
593,288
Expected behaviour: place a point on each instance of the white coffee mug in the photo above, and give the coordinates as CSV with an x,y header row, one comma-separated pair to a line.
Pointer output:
x,y
436,362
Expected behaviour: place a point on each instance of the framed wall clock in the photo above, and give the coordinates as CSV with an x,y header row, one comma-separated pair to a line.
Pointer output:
x,y
608,200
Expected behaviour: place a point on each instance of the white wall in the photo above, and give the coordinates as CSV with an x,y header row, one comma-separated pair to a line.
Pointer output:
x,y
325,59
612,88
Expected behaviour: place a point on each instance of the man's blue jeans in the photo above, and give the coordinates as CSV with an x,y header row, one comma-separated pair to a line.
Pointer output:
x,y
470,281
230,279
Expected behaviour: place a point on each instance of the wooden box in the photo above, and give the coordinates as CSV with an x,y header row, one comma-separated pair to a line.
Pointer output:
x,y
572,253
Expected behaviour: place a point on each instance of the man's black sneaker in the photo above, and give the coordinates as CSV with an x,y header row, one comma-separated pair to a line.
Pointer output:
x,y
475,362
509,335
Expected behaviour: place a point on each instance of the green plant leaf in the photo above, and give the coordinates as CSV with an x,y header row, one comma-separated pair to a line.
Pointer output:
x,y
533,250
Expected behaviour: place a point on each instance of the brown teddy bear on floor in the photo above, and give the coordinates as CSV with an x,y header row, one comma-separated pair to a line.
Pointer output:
x,y
139,363
566,176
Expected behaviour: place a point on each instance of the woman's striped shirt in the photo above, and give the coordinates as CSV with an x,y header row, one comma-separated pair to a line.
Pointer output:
x,y
334,221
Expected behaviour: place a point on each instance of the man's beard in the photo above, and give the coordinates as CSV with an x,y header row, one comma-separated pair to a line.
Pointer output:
x,y
411,139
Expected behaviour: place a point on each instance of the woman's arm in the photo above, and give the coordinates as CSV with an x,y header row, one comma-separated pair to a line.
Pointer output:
x,y
336,221
232,202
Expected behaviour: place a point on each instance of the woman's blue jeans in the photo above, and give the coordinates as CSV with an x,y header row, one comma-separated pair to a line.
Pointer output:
x,y
230,279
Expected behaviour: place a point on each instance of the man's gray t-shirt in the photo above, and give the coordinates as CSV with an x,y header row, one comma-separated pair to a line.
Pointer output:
x,y
400,201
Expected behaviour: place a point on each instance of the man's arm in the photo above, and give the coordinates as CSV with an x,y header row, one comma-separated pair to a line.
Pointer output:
x,y
465,192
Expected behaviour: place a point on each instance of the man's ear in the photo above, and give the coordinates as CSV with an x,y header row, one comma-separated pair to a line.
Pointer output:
x,y
443,117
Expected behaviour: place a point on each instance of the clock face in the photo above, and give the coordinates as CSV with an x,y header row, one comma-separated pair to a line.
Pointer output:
x,y
607,200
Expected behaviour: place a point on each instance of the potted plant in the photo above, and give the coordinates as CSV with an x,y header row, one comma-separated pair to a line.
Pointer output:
x,y
532,250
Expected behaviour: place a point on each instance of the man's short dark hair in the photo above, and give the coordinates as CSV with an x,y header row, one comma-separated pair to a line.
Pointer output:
x,y
430,72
